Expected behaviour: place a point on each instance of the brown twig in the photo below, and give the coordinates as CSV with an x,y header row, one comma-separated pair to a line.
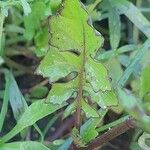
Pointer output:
x,y
110,134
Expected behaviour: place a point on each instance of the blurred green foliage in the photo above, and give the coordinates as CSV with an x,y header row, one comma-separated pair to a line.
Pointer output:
x,y
29,27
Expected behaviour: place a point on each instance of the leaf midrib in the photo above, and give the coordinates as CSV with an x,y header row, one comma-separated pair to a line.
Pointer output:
x,y
81,82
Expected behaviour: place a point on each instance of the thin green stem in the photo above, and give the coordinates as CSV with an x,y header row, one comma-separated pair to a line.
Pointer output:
x,y
111,53
15,65
40,133
46,81
112,124
92,7
135,29
79,97
5,101
2,18
78,119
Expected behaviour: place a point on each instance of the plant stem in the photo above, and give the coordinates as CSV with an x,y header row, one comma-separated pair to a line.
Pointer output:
x,y
111,134
79,97
135,29
92,7
81,81
112,124
5,100
2,18
128,123
40,84
15,65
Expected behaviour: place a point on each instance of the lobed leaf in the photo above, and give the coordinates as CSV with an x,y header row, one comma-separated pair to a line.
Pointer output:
x,y
96,75
73,45
89,111
54,65
60,93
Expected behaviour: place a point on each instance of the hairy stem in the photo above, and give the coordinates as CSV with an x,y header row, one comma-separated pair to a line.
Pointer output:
x,y
81,82
78,110
81,79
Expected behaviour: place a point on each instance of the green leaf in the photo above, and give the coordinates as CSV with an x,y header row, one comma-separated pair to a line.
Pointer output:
x,y
134,107
32,21
145,83
55,68
130,103
60,93
30,116
39,92
114,27
26,7
69,110
144,141
66,144
41,41
69,28
54,5
17,101
134,14
115,69
73,44
89,111
145,61
95,15
137,58
111,53
14,29
103,99
5,99
96,75
88,130
23,146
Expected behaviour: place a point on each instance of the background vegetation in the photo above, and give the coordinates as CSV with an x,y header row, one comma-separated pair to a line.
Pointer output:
x,y
38,103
